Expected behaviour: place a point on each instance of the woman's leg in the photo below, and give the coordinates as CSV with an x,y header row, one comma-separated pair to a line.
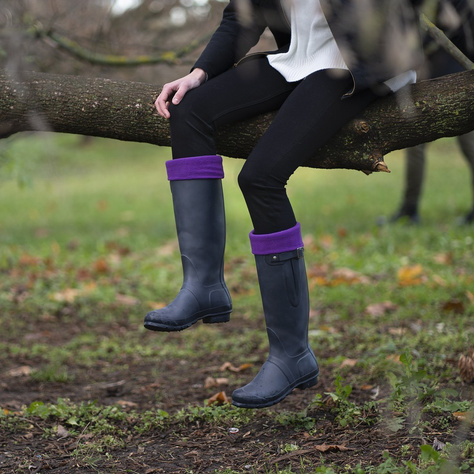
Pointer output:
x,y
242,92
309,117
195,181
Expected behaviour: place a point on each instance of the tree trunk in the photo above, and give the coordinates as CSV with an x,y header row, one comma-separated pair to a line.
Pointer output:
x,y
124,110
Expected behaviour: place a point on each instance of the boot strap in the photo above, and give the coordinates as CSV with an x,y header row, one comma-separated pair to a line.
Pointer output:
x,y
283,256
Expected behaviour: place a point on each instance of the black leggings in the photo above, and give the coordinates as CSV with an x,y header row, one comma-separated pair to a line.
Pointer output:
x,y
309,113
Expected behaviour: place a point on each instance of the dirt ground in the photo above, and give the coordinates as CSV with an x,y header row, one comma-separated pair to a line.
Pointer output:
x,y
196,447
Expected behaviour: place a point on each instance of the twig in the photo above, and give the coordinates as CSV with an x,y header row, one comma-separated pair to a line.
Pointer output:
x,y
443,41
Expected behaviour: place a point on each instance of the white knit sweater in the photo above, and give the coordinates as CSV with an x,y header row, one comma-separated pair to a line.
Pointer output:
x,y
313,47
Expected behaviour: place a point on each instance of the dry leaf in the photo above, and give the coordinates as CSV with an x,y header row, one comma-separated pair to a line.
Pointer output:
x,y
349,277
68,295
168,249
29,260
466,367
212,382
101,265
62,432
453,306
470,296
348,363
380,309
232,368
155,304
444,258
397,331
126,300
126,404
326,241
411,275
394,358
219,398
464,416
22,371
323,448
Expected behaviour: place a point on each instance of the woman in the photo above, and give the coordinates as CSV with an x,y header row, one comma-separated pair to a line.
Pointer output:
x,y
333,59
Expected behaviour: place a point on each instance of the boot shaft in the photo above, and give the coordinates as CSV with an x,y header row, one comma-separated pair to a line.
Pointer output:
x,y
284,291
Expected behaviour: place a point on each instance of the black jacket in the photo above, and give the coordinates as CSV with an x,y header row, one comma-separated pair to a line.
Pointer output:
x,y
376,45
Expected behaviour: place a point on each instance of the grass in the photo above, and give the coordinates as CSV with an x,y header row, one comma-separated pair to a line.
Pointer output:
x,y
87,239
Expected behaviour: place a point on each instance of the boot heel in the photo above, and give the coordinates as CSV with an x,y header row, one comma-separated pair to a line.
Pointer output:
x,y
218,318
309,383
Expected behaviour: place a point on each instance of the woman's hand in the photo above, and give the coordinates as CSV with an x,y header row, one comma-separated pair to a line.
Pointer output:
x,y
176,90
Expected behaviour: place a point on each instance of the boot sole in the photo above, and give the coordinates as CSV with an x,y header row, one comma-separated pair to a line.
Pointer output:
x,y
207,319
310,382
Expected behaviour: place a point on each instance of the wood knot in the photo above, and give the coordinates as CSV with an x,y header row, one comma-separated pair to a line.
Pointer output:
x,y
362,126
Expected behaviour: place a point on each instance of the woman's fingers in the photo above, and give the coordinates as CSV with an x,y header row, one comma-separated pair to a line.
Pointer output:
x,y
176,90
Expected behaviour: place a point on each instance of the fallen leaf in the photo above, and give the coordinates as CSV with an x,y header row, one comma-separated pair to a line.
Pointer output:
x,y
326,241
323,448
62,432
411,275
438,445
397,331
470,296
466,367
453,306
126,300
126,404
219,398
168,249
349,277
342,232
101,265
29,260
464,416
394,358
348,363
439,281
380,309
232,368
68,295
155,304
444,258
21,371
215,382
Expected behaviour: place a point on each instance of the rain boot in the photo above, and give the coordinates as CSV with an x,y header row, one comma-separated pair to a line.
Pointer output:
x,y
284,289
198,203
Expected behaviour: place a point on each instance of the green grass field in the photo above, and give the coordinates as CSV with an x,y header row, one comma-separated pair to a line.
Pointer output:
x,y
87,239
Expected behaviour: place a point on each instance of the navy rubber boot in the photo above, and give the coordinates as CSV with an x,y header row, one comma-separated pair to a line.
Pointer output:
x,y
291,362
200,224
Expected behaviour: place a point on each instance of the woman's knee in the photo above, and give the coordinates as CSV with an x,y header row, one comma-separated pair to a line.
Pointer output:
x,y
251,182
190,114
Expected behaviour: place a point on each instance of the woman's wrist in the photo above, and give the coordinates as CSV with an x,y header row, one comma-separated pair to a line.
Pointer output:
x,y
200,74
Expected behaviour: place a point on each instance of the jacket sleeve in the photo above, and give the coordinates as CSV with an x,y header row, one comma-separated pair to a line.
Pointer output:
x,y
241,27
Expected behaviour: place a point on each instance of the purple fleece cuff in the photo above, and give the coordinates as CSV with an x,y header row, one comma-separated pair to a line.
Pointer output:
x,y
195,167
284,241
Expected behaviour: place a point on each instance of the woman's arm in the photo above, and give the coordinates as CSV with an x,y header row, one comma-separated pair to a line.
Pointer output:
x,y
241,27
239,30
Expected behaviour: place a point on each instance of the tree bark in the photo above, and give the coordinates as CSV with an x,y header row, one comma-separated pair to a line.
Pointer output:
x,y
123,110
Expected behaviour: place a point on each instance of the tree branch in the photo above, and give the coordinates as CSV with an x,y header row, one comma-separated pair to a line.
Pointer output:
x,y
124,110
75,49
443,41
